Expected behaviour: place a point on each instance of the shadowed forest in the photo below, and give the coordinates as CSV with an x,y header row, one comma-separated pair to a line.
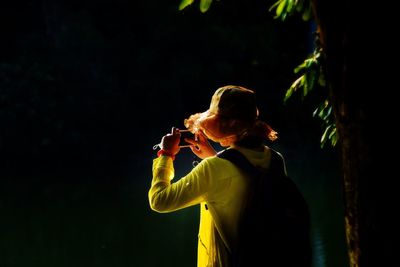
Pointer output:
x,y
87,88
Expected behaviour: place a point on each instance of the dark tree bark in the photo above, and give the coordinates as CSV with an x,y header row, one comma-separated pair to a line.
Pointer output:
x,y
350,37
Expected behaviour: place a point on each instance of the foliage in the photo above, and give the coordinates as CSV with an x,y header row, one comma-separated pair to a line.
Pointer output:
x,y
312,72
285,8
204,4
312,69
324,112
312,76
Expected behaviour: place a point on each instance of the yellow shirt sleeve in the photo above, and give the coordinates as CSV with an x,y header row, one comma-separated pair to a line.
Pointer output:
x,y
191,189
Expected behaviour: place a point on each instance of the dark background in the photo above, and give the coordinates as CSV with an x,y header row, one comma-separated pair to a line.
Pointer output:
x,y
88,87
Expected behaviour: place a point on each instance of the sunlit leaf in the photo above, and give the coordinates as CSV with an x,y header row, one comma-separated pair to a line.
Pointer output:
x,y
274,5
327,113
280,8
325,135
302,81
283,16
293,87
288,94
323,142
335,138
309,62
317,110
300,67
332,133
298,82
289,7
322,111
205,5
185,3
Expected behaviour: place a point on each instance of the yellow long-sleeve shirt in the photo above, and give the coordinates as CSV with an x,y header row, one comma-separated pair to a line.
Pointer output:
x,y
216,184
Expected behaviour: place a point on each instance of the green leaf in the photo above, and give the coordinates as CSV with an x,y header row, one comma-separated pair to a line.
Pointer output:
x,y
274,5
321,113
205,5
295,85
332,133
288,94
327,113
317,110
309,62
185,3
326,133
335,138
298,82
289,7
280,8
283,17
322,108
300,67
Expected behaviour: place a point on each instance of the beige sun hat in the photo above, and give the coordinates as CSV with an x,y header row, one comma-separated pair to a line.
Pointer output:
x,y
232,114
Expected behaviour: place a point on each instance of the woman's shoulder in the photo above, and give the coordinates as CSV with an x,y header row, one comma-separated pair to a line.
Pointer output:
x,y
215,161
217,165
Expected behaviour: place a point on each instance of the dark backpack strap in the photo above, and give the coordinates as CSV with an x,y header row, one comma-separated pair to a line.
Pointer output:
x,y
240,160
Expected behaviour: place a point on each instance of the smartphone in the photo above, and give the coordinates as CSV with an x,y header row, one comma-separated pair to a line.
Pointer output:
x,y
185,134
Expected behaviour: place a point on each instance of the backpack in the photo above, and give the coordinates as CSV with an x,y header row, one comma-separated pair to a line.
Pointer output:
x,y
275,227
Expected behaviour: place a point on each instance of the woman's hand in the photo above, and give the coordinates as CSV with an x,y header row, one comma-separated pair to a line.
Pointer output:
x,y
200,146
170,142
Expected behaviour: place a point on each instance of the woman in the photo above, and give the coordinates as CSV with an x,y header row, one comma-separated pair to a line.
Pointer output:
x,y
215,183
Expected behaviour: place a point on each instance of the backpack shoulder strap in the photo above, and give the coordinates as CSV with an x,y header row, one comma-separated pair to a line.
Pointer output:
x,y
240,160
237,158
